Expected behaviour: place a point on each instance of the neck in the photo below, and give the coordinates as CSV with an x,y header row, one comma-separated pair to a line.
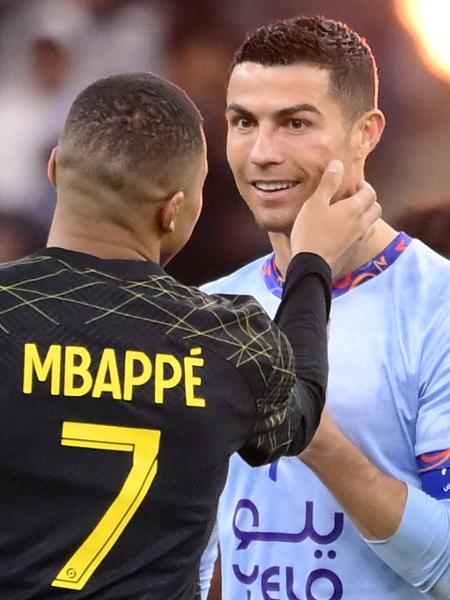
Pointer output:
x,y
100,237
382,237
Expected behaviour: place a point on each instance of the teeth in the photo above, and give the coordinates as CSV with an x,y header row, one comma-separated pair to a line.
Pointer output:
x,y
273,186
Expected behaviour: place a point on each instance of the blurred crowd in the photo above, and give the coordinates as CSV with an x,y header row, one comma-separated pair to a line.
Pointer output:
x,y
51,49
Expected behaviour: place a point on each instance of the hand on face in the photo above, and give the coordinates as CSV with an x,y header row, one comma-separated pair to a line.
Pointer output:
x,y
335,231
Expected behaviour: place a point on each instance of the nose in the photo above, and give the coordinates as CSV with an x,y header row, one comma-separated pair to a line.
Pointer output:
x,y
265,149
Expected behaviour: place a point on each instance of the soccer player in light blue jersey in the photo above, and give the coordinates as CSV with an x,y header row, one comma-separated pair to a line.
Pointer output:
x,y
364,512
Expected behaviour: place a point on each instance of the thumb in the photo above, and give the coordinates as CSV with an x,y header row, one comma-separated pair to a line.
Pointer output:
x,y
330,182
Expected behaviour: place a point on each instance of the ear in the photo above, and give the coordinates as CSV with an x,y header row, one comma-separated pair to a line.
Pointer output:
x,y
367,132
169,212
51,167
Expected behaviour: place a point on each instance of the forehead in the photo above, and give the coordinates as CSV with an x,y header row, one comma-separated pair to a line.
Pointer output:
x,y
262,88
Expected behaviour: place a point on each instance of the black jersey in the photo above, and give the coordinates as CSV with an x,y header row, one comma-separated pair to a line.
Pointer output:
x,y
123,395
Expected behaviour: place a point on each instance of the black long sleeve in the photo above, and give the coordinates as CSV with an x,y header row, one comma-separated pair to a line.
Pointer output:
x,y
288,412
303,317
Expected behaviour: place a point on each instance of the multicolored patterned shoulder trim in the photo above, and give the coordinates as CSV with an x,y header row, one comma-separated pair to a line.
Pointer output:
x,y
378,264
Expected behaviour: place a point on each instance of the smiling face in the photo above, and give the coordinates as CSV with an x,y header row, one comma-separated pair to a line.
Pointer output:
x,y
284,127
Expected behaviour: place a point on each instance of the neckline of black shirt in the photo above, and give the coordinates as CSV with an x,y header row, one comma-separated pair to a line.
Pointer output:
x,y
124,268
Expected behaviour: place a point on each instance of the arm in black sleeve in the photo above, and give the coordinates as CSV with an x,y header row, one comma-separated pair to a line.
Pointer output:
x,y
289,414
303,317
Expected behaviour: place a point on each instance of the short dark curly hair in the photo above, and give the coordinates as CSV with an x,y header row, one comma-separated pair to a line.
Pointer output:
x,y
324,43
135,123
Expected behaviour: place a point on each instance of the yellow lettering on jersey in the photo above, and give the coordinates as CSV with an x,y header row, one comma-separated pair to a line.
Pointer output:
x,y
107,379
161,383
77,361
191,380
33,365
75,369
131,379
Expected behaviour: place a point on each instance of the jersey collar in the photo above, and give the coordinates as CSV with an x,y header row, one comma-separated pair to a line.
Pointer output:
x,y
341,285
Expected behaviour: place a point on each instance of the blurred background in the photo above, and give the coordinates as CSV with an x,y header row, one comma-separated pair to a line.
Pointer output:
x,y
51,49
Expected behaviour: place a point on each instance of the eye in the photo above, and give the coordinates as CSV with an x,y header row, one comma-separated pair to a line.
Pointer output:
x,y
297,124
241,122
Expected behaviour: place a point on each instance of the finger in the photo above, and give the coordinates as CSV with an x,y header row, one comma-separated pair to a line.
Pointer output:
x,y
370,218
330,182
372,214
369,233
365,197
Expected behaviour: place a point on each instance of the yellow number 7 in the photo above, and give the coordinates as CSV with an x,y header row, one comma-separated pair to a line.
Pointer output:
x,y
144,444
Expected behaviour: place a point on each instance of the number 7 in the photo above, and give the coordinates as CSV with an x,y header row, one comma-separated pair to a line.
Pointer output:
x,y
144,444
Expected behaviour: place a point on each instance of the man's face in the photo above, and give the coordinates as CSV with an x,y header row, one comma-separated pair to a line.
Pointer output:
x,y
283,129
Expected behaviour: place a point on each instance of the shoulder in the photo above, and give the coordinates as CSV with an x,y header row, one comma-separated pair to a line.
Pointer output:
x,y
223,312
233,326
423,279
240,281
420,297
17,270
426,260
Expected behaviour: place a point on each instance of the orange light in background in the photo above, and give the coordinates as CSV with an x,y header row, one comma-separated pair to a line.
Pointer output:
x,y
428,22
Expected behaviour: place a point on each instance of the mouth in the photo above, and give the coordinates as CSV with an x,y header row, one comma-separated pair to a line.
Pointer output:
x,y
273,186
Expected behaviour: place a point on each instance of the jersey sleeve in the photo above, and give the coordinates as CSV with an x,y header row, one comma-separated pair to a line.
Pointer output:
x,y
433,422
419,551
207,563
294,372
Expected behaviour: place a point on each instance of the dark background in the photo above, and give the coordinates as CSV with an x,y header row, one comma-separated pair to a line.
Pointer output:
x,y
50,49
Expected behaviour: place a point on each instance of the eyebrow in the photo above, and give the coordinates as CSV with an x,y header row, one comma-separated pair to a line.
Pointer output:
x,y
283,112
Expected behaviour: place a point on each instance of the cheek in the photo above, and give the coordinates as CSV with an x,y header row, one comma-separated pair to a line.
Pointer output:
x,y
237,153
320,149
315,157
194,209
199,209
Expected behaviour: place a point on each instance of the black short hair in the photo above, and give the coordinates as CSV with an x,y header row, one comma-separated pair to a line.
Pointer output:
x,y
136,124
324,43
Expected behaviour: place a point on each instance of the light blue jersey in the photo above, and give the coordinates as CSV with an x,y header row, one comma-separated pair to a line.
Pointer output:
x,y
282,534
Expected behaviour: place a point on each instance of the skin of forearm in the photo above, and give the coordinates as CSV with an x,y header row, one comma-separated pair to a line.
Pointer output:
x,y
373,500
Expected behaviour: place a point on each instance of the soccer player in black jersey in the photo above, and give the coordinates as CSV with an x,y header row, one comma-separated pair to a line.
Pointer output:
x,y
124,392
